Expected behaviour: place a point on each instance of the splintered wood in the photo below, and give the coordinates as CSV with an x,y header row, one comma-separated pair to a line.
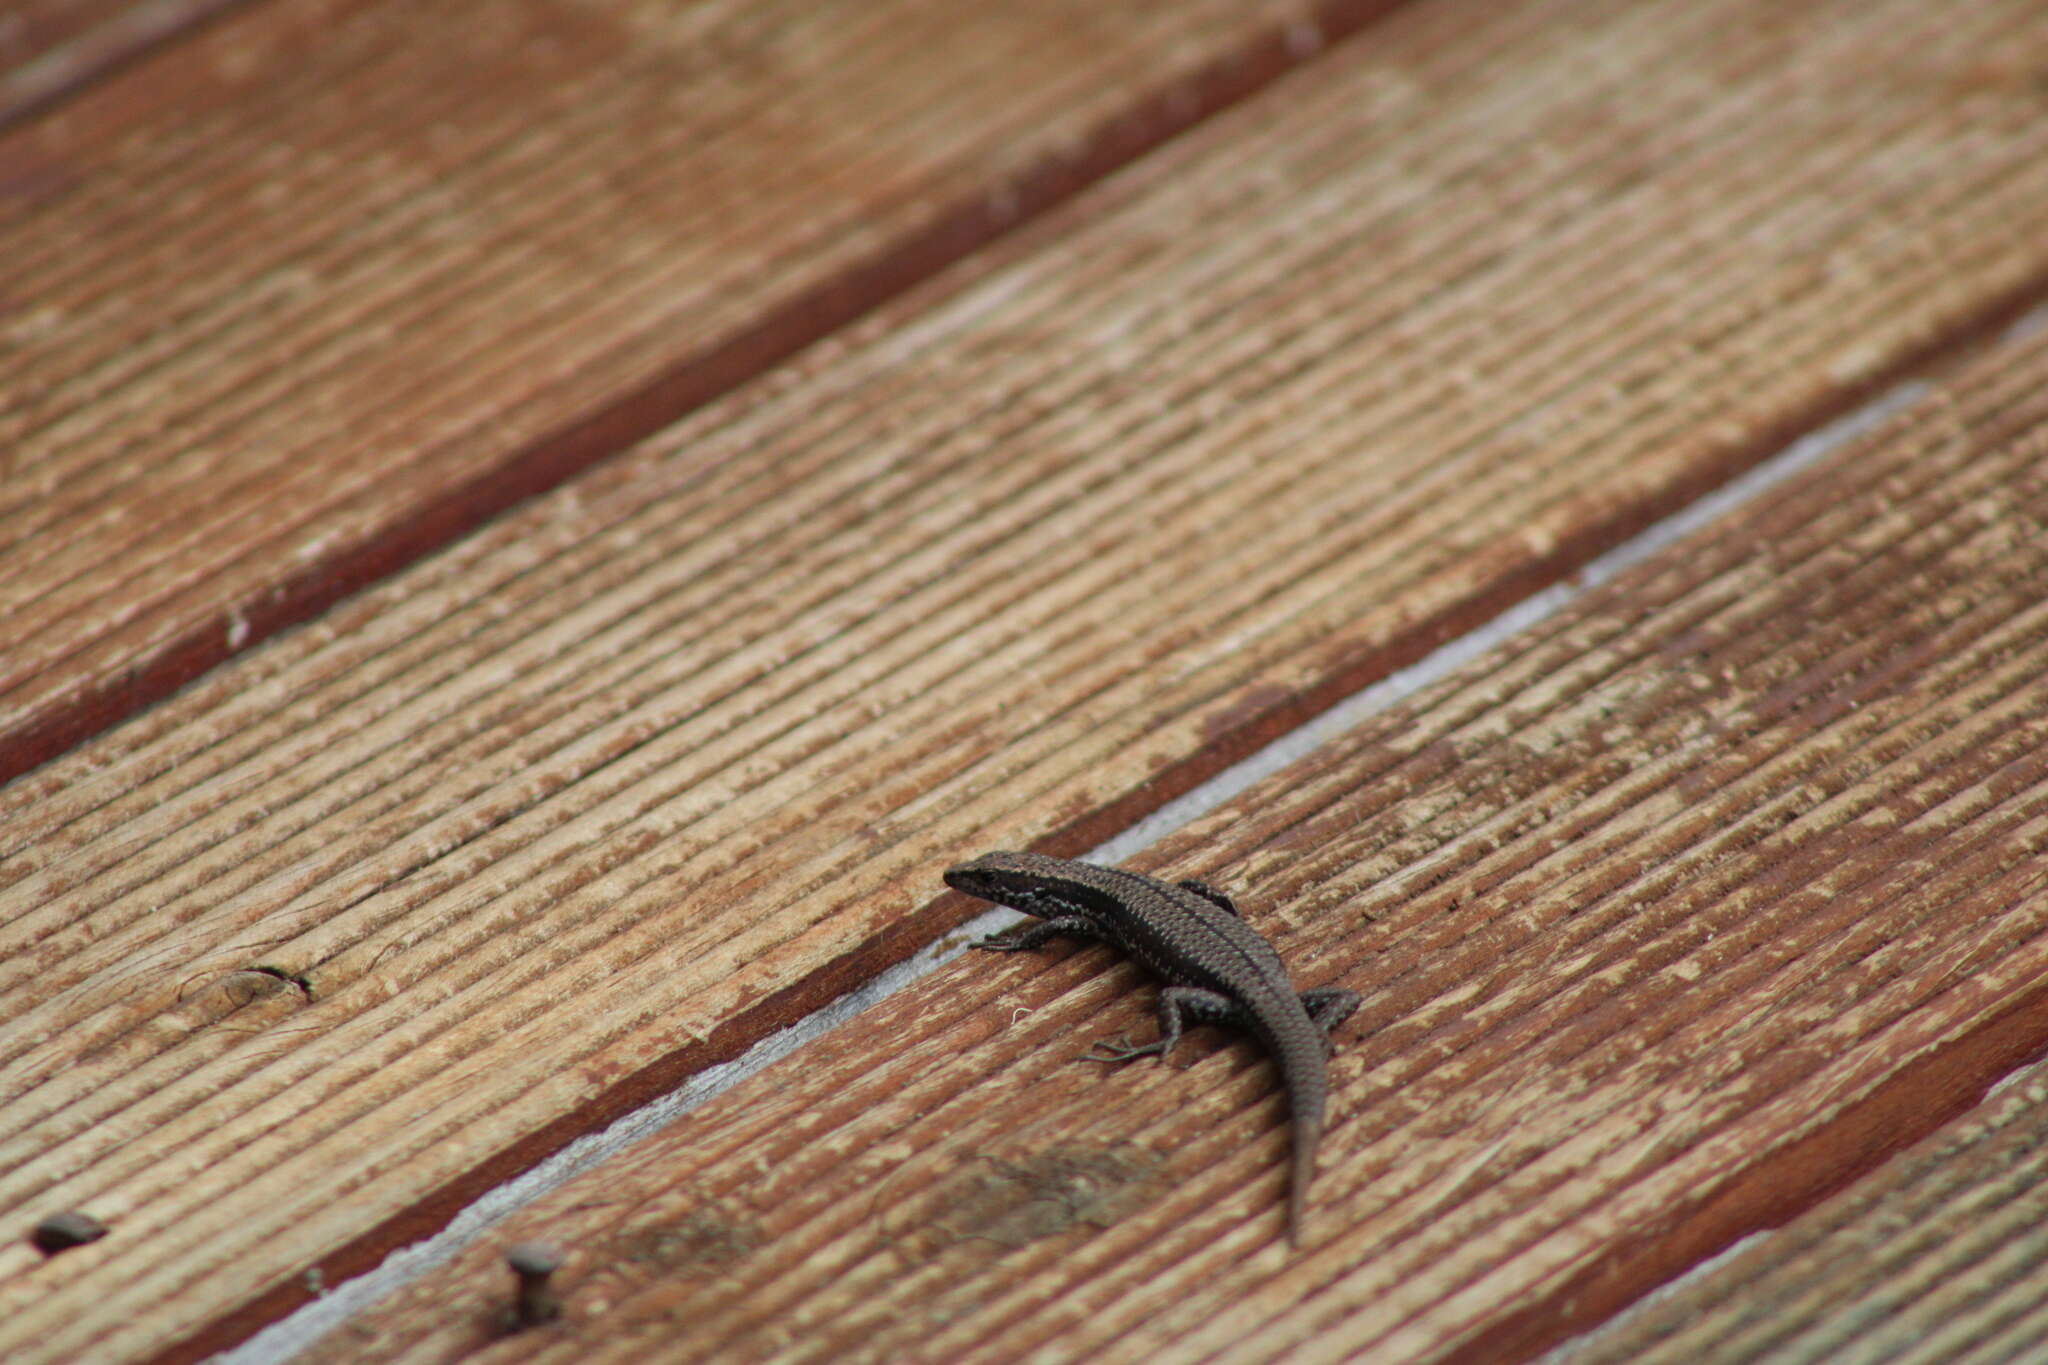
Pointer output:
x,y
337,279
364,921
1669,915
1934,1260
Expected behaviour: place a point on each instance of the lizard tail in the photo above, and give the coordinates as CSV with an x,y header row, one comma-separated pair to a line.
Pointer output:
x,y
1302,1065
1308,1128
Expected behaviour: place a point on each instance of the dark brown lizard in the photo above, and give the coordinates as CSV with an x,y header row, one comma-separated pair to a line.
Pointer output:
x,y
1218,970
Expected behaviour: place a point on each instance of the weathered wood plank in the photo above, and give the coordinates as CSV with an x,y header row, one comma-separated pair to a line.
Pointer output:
x,y
51,48
610,789
340,279
1934,1258
1669,915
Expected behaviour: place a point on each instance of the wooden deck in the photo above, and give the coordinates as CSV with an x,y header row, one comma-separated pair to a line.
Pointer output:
x,y
534,529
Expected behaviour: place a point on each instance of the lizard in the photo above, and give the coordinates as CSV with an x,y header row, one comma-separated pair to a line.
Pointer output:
x,y
1217,968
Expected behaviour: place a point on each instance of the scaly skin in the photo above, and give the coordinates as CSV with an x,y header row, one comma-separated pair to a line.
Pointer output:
x,y
1217,971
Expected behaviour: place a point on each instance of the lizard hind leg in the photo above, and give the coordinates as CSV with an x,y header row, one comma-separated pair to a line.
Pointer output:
x,y
1330,1006
1176,1005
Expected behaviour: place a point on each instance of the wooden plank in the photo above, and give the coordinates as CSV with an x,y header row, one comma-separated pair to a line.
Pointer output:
x,y
670,757
51,48
1669,915
1934,1258
340,279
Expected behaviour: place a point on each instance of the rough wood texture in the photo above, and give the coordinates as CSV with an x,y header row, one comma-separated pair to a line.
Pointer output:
x,y
50,48
1669,915
1934,1260
675,753
340,279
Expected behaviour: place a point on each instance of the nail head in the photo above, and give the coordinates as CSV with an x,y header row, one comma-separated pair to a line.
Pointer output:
x,y
533,1262
534,1258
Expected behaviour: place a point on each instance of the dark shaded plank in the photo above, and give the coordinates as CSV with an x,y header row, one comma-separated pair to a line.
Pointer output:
x,y
669,757
52,48
1670,915
338,280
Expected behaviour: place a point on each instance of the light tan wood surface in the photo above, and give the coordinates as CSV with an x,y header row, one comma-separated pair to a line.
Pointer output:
x,y
313,292
1669,915
351,928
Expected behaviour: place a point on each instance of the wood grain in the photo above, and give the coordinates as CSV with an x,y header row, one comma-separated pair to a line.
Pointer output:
x,y
1670,914
337,280
673,755
1935,1258
53,48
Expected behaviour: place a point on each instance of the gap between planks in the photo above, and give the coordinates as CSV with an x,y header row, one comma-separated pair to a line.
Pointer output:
x,y
291,1335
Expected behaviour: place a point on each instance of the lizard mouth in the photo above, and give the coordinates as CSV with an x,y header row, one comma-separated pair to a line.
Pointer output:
x,y
974,883
988,878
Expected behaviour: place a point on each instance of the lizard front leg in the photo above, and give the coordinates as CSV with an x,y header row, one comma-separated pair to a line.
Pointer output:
x,y
1069,926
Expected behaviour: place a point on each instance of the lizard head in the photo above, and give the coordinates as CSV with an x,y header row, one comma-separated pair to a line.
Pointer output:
x,y
1006,878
